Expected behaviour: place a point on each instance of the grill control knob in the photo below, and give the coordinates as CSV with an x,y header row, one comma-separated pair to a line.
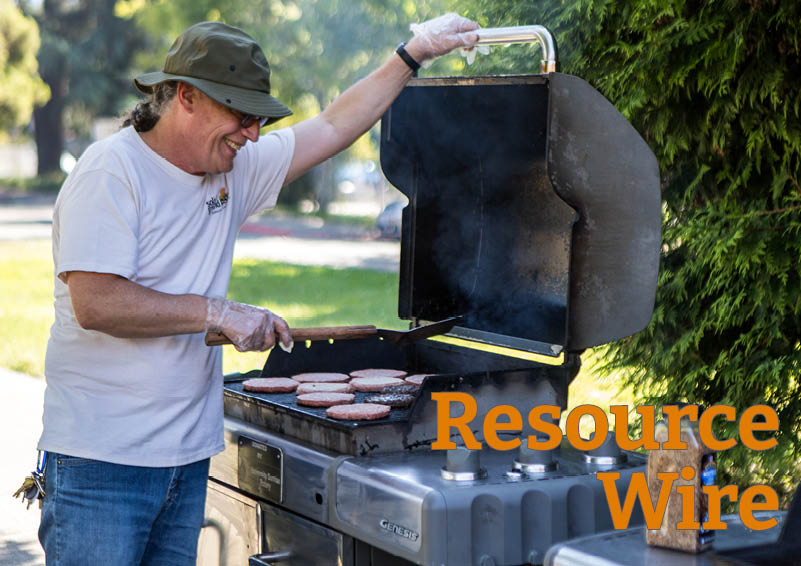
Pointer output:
x,y
534,461
515,475
462,464
607,454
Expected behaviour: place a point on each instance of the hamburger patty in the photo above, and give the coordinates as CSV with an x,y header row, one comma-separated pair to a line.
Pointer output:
x,y
418,378
378,373
358,412
324,399
319,377
304,388
270,384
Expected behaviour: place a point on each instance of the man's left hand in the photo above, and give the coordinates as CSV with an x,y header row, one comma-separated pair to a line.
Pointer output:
x,y
440,36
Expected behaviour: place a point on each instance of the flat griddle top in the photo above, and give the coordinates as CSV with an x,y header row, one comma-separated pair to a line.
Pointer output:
x,y
287,402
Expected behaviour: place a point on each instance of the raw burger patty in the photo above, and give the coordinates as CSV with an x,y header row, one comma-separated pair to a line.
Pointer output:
x,y
358,412
324,399
378,373
374,383
321,377
304,388
391,399
270,384
418,378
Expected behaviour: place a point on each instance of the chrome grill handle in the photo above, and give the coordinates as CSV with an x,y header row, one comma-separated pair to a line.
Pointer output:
x,y
524,34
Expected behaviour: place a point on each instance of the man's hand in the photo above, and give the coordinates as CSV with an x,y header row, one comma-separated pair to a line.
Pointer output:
x,y
440,36
248,327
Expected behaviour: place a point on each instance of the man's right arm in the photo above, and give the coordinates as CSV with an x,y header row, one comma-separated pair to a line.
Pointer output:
x,y
114,305
119,307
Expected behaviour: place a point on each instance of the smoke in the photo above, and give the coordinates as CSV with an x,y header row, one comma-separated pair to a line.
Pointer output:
x,y
491,238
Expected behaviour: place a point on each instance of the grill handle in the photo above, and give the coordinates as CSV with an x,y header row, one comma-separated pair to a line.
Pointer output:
x,y
524,34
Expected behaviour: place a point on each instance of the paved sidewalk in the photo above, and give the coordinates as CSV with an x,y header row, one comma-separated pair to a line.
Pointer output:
x,y
21,422
26,217
376,255
271,236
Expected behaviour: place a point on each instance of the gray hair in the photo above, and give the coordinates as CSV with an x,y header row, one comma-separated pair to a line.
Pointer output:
x,y
145,114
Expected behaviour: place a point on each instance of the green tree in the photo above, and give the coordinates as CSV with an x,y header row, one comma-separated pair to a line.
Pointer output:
x,y
85,59
713,88
20,85
315,48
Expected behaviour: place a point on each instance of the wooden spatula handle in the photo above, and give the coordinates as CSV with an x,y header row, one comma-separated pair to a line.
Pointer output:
x,y
312,333
332,332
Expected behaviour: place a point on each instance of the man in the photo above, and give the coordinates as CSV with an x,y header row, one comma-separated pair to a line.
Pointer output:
x,y
143,237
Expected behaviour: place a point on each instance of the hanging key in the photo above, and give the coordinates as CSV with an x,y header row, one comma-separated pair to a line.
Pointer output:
x,y
26,485
33,494
32,489
29,491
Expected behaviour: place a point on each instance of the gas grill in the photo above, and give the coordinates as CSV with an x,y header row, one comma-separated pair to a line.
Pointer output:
x,y
534,215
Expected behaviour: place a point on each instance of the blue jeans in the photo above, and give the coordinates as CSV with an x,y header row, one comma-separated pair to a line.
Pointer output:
x,y
96,513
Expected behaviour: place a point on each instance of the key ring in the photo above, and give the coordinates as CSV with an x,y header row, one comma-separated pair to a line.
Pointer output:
x,y
41,461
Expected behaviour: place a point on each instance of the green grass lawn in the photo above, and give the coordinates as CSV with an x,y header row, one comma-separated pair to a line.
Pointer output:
x,y
311,296
304,296
26,305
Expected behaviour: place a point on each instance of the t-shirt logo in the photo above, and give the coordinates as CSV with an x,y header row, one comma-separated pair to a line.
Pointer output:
x,y
216,203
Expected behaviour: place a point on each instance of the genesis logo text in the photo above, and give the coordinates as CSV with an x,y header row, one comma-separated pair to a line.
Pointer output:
x,y
398,530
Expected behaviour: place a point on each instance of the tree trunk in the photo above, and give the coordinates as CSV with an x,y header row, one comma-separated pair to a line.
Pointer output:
x,y
325,189
53,68
49,127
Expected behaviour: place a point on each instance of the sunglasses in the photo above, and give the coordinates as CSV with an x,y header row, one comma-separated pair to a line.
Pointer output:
x,y
247,120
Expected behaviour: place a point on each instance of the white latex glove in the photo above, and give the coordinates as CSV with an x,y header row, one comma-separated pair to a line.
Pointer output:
x,y
440,36
248,327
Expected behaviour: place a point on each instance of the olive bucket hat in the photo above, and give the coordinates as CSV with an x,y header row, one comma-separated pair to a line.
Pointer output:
x,y
226,64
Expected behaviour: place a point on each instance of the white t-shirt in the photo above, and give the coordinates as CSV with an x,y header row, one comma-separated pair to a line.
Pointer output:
x,y
126,210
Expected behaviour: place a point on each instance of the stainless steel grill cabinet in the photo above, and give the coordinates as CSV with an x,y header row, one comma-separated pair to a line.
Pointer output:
x,y
534,214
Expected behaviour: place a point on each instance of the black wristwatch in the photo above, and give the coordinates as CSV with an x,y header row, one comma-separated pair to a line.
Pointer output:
x,y
408,59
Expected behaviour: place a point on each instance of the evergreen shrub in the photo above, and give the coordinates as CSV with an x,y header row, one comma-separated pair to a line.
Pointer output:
x,y
713,87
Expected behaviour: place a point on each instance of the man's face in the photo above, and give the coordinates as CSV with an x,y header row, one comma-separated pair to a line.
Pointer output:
x,y
219,135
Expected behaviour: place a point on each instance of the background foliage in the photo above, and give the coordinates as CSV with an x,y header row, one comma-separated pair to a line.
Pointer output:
x,y
713,88
85,59
20,85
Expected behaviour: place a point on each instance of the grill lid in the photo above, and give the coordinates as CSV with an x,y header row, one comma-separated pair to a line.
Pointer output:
x,y
534,210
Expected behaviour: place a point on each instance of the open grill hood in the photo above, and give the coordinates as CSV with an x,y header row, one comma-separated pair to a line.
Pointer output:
x,y
537,219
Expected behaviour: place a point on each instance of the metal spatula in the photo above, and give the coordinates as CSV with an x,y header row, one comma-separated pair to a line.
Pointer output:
x,y
353,332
